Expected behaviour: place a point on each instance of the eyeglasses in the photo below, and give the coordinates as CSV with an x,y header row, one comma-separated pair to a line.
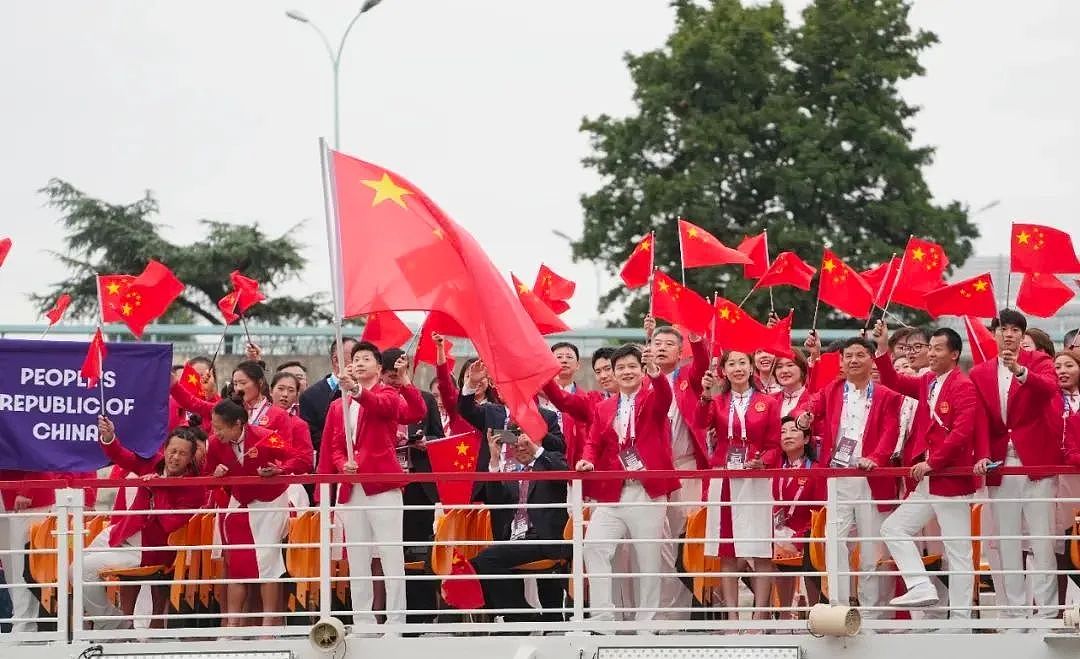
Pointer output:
x,y
913,347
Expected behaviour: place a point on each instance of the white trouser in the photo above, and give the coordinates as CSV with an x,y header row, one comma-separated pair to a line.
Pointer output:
x,y
14,534
1037,518
382,526
954,517
673,594
100,556
616,523
865,519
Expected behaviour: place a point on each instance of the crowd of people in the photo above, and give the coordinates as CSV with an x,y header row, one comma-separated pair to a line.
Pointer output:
x,y
901,399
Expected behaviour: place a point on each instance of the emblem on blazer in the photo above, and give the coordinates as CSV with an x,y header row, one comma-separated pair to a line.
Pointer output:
x,y
943,407
263,421
683,385
802,481
760,407
253,453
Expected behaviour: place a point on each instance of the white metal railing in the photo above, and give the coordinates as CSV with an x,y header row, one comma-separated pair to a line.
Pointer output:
x,y
572,614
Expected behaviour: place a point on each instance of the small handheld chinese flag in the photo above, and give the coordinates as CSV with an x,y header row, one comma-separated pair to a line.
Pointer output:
x,y
5,247
738,330
94,362
554,290
138,301
841,287
247,291
454,454
1043,295
970,297
386,330
1038,248
227,305
638,268
787,269
680,305
882,280
700,248
463,592
922,270
190,380
59,307
982,343
757,248
545,319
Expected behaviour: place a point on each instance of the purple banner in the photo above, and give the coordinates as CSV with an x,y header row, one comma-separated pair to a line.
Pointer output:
x,y
48,416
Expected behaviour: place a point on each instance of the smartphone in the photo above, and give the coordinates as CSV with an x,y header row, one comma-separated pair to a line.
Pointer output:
x,y
994,465
506,437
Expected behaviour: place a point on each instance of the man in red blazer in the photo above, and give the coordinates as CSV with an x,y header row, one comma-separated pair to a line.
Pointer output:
x,y
860,422
631,434
943,437
689,448
1014,391
374,514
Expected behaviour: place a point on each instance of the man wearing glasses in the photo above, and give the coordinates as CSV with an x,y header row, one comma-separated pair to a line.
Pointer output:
x,y
916,347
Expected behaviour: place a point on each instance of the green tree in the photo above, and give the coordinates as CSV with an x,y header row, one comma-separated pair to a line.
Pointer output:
x,y
745,123
106,238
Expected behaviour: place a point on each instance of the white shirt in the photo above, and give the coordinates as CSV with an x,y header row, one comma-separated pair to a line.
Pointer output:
x,y
1005,378
935,391
1073,400
907,416
624,416
238,450
853,416
681,442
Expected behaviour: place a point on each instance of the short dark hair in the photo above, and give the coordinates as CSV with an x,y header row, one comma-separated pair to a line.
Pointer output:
x,y
203,359
1009,317
231,411
285,365
622,352
1070,338
567,344
809,450
1043,342
389,357
858,341
668,329
366,346
952,339
344,340
835,346
602,353
920,332
898,335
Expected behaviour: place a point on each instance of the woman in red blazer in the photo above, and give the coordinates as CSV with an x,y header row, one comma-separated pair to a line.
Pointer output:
x,y
239,449
746,427
1065,413
181,416
790,519
790,375
121,544
249,384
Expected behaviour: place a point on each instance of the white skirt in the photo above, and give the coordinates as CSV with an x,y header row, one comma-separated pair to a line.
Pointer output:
x,y
747,521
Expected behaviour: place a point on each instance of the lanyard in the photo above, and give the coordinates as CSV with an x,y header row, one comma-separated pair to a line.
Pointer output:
x,y
257,414
626,435
849,412
734,409
932,402
798,493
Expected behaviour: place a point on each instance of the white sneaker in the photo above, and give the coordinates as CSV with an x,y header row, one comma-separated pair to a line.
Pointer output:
x,y
922,595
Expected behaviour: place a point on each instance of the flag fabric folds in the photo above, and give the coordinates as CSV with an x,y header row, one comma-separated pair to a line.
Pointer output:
x,y
737,330
882,280
981,341
429,263
555,291
1042,249
5,247
841,287
95,360
386,330
922,270
1043,295
59,307
970,297
638,268
757,248
137,301
787,269
190,380
454,454
680,305
546,320
247,291
700,248
227,306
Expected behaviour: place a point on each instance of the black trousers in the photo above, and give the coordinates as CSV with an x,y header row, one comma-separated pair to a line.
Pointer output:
x,y
510,593
417,527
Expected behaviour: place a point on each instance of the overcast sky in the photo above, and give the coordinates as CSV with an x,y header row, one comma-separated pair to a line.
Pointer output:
x,y
216,107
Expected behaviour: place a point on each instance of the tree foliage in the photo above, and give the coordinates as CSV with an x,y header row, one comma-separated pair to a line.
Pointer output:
x,y
745,122
104,238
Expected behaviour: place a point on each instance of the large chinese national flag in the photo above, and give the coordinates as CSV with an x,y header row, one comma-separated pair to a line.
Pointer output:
x,y
397,251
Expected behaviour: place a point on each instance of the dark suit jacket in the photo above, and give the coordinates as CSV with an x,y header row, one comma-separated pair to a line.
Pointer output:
x,y
545,523
491,416
431,426
314,403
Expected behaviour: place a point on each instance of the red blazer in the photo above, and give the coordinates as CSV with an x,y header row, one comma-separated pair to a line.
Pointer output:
x,y
804,396
786,489
261,447
177,416
762,428
950,446
1034,438
303,460
382,409
155,529
652,431
879,438
579,408
40,497
274,418
688,393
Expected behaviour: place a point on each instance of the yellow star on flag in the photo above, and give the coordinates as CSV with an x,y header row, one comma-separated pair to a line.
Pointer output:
x,y
662,285
462,448
385,189
691,233
725,313
645,245
523,289
193,379
829,265
126,309
980,285
438,233
1023,237
114,288
918,254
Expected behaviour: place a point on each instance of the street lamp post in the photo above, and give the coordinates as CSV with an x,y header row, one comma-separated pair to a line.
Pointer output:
x,y
335,56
